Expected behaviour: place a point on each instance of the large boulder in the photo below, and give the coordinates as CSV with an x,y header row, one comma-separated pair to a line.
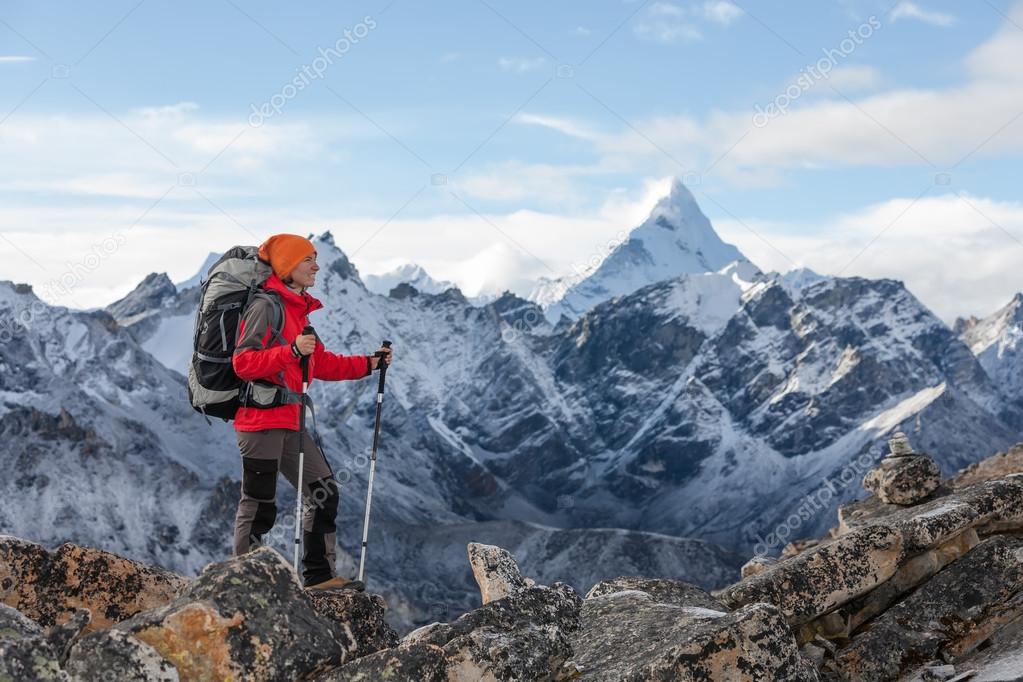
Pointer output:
x,y
30,654
360,616
630,636
824,577
246,618
949,615
116,655
524,636
50,586
495,571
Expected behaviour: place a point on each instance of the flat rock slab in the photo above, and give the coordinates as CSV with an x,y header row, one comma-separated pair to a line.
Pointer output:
x,y
931,524
951,613
662,590
824,577
629,636
1001,661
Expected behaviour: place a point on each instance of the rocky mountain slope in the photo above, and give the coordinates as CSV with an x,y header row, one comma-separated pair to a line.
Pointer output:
x,y
996,341
921,581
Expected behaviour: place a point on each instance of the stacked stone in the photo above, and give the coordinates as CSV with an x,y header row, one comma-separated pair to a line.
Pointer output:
x,y
903,477
914,579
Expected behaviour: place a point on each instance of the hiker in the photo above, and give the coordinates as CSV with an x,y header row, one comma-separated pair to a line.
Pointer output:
x,y
268,438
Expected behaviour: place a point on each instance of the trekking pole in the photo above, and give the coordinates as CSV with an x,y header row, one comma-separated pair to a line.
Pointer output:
x,y
301,451
382,364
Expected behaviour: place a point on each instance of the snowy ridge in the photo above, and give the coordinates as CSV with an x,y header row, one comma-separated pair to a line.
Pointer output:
x,y
409,273
997,341
675,239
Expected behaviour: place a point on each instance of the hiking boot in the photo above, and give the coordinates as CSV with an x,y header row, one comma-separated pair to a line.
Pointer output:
x,y
339,583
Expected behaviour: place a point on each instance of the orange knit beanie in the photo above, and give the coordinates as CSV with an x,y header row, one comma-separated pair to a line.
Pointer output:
x,y
284,252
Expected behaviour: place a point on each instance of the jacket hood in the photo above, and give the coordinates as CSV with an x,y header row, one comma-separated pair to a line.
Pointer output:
x,y
303,303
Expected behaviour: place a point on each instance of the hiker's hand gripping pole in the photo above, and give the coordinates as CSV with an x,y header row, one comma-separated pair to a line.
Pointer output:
x,y
382,366
301,451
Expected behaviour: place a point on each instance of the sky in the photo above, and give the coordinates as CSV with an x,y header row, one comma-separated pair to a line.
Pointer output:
x,y
496,142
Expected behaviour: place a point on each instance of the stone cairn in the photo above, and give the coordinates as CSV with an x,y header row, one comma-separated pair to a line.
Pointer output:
x,y
903,477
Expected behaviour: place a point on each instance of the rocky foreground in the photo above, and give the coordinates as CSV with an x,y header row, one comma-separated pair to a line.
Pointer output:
x,y
922,580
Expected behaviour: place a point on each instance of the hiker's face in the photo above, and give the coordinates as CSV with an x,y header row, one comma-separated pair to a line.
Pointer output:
x,y
305,274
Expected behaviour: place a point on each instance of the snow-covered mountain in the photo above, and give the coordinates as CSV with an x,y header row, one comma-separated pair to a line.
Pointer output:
x,y
997,341
675,239
409,273
714,405
727,390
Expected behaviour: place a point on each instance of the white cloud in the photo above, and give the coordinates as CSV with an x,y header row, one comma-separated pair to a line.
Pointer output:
x,y
666,22
958,254
97,155
489,253
520,64
854,78
666,9
911,10
582,31
663,31
942,126
562,125
449,57
12,59
721,11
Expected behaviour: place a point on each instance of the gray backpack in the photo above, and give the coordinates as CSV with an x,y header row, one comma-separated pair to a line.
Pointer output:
x,y
231,285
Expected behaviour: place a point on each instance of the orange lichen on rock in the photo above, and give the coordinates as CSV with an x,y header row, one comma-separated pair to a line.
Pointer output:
x,y
195,640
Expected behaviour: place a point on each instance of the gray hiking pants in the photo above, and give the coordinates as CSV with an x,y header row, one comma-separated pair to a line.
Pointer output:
x,y
265,454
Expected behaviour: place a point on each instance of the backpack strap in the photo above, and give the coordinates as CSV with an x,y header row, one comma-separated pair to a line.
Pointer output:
x,y
285,396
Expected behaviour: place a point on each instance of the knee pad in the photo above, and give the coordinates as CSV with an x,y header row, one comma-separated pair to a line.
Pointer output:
x,y
263,521
259,481
325,499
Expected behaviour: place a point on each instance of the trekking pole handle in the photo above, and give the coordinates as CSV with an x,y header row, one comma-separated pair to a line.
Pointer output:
x,y
381,362
305,358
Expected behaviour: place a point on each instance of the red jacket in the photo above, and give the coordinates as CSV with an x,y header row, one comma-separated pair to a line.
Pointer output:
x,y
258,357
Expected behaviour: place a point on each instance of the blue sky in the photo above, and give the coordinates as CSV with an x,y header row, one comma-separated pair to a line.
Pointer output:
x,y
495,142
